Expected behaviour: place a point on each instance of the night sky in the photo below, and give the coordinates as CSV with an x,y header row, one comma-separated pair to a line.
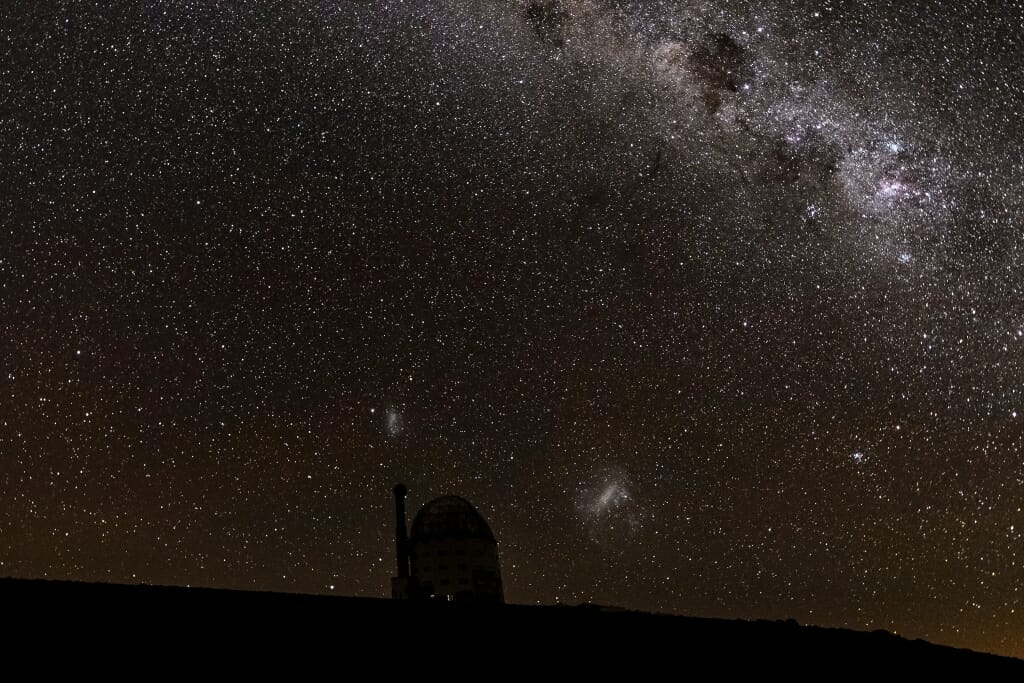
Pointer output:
x,y
711,307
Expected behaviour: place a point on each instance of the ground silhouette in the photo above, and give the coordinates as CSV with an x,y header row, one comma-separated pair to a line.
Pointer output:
x,y
688,643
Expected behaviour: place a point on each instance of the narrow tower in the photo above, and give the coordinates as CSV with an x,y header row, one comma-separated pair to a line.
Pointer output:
x,y
401,535
400,583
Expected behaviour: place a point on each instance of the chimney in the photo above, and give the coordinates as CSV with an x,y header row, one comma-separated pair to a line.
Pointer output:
x,y
401,535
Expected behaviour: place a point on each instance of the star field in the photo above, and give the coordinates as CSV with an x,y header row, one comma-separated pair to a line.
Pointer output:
x,y
711,307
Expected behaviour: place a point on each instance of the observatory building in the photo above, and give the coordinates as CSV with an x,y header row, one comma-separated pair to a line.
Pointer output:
x,y
449,554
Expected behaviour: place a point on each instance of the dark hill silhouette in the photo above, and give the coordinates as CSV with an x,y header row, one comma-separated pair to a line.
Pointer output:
x,y
688,643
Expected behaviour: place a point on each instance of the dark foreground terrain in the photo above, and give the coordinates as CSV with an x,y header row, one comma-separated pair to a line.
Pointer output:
x,y
586,633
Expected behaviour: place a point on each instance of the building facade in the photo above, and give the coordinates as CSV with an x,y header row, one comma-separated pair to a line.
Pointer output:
x,y
449,554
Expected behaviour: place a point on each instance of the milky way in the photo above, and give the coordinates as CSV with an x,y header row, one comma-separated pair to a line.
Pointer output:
x,y
711,308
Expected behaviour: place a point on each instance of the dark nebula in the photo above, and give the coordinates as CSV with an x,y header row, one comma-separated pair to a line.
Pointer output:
x,y
549,20
721,62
